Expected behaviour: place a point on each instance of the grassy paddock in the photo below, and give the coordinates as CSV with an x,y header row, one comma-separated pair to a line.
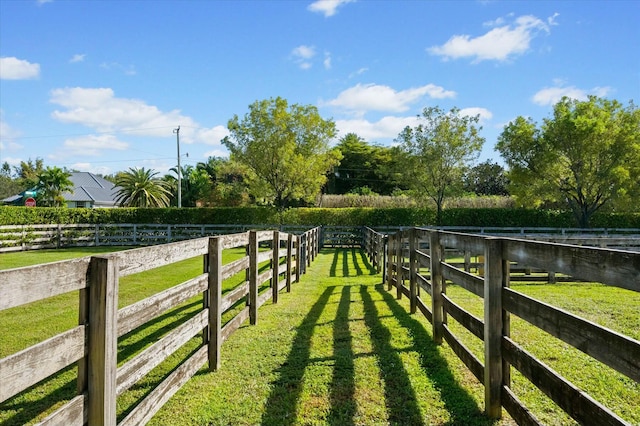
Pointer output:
x,y
339,349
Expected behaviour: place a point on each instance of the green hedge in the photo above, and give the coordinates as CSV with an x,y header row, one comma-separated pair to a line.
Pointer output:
x,y
314,216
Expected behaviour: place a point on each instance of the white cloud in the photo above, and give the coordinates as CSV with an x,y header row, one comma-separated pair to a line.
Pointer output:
x,y
302,56
327,7
373,97
7,135
101,110
41,2
13,161
216,153
327,61
551,95
500,43
77,58
359,72
12,68
386,128
88,167
212,136
125,69
484,113
93,145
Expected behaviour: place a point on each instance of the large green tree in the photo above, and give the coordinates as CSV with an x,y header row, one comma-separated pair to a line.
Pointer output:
x,y
141,188
285,148
438,151
195,185
227,180
586,155
487,178
362,165
52,183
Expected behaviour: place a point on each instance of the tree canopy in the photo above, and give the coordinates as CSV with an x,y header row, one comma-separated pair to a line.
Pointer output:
x,y
363,166
586,155
52,183
141,188
285,148
437,151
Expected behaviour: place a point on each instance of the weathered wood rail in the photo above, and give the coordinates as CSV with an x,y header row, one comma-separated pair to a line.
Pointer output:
x,y
93,343
417,256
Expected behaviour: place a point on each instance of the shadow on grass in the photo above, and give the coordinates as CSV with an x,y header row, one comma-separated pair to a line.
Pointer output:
x,y
343,405
281,406
26,409
400,397
462,408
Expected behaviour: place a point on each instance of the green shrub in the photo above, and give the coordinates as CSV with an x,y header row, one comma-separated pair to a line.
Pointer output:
x,y
353,216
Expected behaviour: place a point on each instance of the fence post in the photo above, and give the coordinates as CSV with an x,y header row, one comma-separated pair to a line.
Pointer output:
x,y
275,265
390,253
215,298
399,271
253,277
436,286
493,283
298,257
308,248
289,255
103,340
205,298
413,279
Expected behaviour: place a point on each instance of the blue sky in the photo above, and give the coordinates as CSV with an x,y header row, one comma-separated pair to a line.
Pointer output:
x,y
101,85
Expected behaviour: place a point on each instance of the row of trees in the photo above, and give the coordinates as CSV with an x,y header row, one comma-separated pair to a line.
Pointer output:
x,y
585,157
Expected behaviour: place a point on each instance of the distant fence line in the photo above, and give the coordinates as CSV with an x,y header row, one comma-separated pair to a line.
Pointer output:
x,y
30,237
92,345
419,256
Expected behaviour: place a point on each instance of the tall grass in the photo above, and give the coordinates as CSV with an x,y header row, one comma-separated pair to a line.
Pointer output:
x,y
403,201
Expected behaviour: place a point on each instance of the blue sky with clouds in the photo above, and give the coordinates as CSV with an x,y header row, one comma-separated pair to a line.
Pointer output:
x,y
101,85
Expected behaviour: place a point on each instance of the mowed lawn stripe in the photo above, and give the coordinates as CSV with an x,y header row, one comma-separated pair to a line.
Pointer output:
x,y
337,350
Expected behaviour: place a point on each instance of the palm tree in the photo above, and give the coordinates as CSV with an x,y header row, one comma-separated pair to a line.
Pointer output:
x,y
52,182
141,188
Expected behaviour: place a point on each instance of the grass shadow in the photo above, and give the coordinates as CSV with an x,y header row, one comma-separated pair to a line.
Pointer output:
x,y
343,405
355,262
281,406
461,406
334,264
400,398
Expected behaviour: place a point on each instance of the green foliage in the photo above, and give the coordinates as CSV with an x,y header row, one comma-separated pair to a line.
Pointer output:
x,y
52,183
141,188
285,148
586,156
486,178
362,166
356,216
437,151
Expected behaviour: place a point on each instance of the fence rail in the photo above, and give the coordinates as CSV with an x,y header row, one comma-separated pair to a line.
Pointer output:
x,y
419,257
93,343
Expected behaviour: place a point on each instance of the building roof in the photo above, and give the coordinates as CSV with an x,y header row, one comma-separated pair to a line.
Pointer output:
x,y
87,187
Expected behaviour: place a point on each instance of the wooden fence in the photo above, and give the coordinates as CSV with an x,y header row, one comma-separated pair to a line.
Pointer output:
x,y
93,343
417,256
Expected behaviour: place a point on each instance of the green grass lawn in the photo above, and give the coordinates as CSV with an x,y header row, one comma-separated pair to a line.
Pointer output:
x,y
339,350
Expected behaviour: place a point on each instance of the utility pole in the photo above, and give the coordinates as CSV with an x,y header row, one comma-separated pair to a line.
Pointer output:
x,y
177,132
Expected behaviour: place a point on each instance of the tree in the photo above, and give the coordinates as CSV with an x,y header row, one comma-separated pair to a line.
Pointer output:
x,y
587,155
52,183
195,185
285,148
437,152
141,188
486,178
227,180
28,171
362,165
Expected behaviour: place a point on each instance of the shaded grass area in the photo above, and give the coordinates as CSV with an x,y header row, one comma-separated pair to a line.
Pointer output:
x,y
337,350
